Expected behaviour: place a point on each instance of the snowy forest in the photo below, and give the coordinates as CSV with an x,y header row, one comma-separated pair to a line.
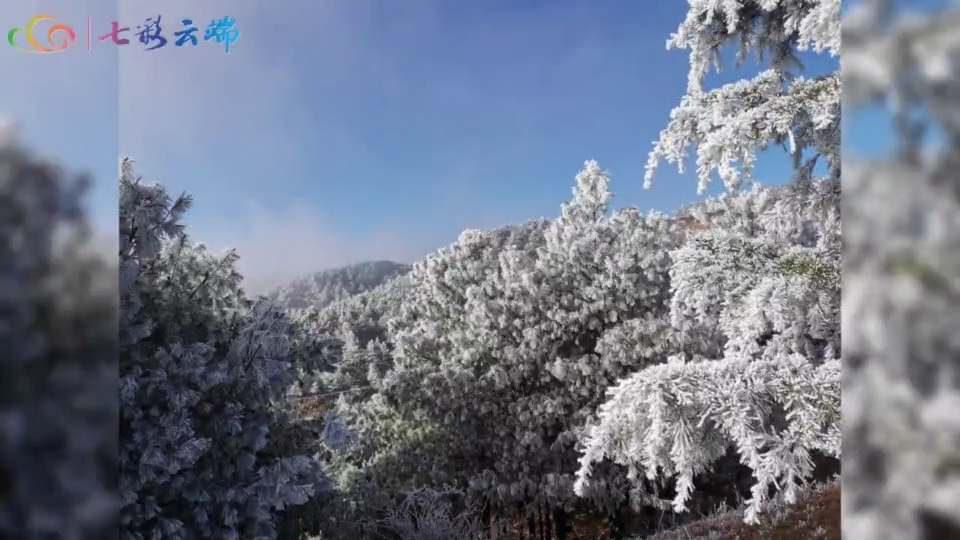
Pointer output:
x,y
599,374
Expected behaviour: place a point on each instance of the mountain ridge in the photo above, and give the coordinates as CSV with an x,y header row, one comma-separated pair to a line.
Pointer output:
x,y
322,288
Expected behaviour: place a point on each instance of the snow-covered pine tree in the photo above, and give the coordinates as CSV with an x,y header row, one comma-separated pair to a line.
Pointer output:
x,y
201,371
731,124
901,271
393,440
322,333
325,287
510,348
58,375
756,305
756,290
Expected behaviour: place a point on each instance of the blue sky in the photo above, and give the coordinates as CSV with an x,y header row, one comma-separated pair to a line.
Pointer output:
x,y
363,129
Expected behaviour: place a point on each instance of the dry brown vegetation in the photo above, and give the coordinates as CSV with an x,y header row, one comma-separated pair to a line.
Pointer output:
x,y
815,516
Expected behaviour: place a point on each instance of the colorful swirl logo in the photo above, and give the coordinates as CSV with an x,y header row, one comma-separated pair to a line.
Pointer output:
x,y
65,40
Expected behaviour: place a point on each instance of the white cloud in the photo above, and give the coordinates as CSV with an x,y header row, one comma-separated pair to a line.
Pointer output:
x,y
275,247
179,107
187,106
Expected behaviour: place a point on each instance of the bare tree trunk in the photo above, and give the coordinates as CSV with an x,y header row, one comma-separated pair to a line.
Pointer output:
x,y
616,523
545,532
561,523
486,517
533,523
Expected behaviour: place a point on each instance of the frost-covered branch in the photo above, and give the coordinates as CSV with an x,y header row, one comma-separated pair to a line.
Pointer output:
x,y
730,125
773,28
677,419
201,372
901,260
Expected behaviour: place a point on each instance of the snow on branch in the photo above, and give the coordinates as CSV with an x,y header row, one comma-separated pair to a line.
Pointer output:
x,y
676,419
731,124
771,28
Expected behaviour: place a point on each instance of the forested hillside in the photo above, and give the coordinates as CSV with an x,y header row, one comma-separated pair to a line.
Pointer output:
x,y
518,374
327,286
621,367
599,373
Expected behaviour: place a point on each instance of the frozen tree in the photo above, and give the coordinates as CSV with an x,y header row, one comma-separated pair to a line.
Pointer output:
x,y
322,332
427,514
364,316
351,339
328,286
508,347
58,385
755,289
344,350
755,300
368,311
201,371
731,124
755,246
901,262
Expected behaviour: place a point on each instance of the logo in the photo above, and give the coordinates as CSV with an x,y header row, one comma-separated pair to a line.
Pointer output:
x,y
151,34
67,39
